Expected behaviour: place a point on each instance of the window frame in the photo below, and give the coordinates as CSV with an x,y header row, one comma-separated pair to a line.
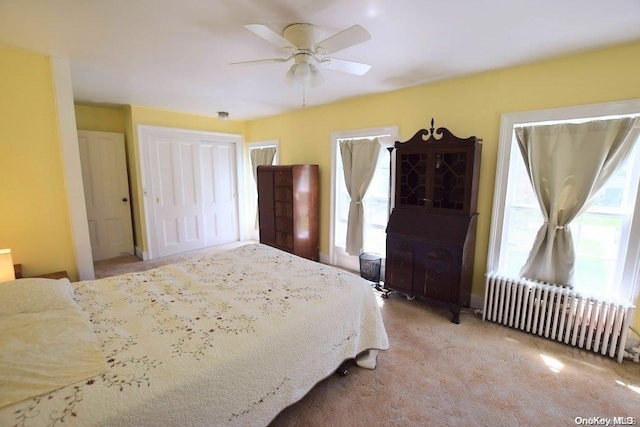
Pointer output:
x,y
631,273
260,144
392,131
251,204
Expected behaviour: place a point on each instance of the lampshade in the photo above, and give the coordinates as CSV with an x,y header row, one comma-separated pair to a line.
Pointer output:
x,y
290,77
6,266
316,76
302,72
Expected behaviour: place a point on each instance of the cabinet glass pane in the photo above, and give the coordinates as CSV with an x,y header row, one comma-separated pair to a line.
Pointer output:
x,y
449,180
413,179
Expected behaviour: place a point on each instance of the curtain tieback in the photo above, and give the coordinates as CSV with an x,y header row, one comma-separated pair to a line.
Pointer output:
x,y
557,227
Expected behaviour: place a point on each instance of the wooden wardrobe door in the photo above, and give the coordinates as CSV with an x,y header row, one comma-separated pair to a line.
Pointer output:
x,y
266,207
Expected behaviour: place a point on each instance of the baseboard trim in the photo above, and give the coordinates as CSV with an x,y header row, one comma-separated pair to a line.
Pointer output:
x,y
324,258
476,302
144,256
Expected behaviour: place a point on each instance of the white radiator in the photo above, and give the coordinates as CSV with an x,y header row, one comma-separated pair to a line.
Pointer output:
x,y
558,313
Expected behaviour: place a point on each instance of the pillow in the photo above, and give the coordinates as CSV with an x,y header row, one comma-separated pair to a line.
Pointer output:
x,y
42,352
36,295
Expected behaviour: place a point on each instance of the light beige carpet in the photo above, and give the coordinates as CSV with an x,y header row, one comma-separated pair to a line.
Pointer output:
x,y
131,263
472,374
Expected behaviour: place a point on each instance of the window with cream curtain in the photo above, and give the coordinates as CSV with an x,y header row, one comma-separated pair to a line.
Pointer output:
x,y
606,236
375,202
252,201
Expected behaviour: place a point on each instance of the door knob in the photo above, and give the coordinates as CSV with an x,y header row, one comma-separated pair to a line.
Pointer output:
x,y
124,199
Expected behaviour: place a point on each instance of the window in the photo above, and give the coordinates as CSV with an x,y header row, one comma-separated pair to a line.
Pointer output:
x,y
274,144
375,202
606,236
252,202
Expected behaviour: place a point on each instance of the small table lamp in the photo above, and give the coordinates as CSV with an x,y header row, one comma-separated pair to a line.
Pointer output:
x,y
6,266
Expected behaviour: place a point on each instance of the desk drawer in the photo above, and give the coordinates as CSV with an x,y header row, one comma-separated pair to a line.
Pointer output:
x,y
283,194
284,209
284,240
401,280
284,224
283,178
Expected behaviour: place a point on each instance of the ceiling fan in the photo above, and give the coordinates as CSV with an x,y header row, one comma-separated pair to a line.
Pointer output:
x,y
303,45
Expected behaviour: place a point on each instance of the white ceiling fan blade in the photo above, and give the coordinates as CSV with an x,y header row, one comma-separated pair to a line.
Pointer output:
x,y
261,61
269,35
342,40
345,66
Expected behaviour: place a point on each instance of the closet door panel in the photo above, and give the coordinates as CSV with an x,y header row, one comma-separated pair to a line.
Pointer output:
x,y
219,194
177,199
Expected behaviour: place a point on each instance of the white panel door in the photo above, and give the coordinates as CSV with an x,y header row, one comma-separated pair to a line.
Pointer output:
x,y
218,160
106,193
177,194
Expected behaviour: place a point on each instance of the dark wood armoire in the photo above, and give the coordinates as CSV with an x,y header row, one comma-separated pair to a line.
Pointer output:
x,y
432,228
288,209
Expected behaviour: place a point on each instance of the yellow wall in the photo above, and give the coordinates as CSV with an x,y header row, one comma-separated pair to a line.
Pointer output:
x,y
467,106
100,119
33,214
34,220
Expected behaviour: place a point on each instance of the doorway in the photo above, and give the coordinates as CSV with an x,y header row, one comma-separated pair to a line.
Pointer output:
x,y
106,193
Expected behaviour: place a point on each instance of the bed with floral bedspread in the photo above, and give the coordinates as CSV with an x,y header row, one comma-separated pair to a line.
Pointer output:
x,y
227,339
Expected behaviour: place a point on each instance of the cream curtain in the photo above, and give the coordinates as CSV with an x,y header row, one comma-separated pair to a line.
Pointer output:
x,y
568,164
260,156
359,158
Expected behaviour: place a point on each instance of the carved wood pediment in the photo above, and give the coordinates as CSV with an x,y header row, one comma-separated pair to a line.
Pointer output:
x,y
433,135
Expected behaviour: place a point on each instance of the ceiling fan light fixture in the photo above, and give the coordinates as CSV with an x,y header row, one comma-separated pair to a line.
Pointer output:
x,y
290,77
316,78
302,72
302,42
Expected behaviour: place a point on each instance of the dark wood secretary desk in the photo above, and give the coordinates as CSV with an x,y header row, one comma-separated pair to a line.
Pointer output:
x,y
432,228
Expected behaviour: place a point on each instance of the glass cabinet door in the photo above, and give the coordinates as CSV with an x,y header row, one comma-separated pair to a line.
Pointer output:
x,y
434,179
449,179
412,179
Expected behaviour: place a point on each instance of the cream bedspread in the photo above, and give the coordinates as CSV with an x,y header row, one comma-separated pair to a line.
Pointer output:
x,y
229,339
42,352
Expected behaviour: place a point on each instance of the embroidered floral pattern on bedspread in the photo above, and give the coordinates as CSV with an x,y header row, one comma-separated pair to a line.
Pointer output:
x,y
185,310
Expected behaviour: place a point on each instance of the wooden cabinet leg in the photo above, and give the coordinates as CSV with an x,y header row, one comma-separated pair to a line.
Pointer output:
x,y
456,317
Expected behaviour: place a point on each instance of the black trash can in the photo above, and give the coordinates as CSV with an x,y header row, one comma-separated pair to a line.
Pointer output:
x,y
370,264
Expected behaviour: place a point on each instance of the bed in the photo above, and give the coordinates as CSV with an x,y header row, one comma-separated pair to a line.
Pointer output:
x,y
227,339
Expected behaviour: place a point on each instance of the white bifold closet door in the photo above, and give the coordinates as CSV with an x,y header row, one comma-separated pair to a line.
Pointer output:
x,y
194,193
218,168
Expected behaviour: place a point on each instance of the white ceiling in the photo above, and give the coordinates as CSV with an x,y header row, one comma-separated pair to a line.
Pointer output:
x,y
175,54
